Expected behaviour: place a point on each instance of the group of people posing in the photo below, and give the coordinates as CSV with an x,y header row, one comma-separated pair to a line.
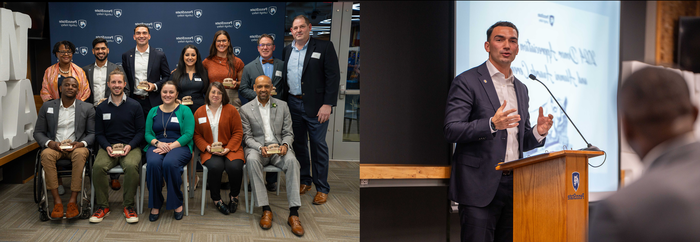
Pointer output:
x,y
142,108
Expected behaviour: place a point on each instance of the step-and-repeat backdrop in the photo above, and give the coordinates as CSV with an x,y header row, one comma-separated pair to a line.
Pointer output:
x,y
172,26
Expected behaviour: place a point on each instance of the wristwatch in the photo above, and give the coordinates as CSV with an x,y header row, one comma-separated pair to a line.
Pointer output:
x,y
493,126
159,141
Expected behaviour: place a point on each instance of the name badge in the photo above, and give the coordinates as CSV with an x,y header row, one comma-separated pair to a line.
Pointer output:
x,y
197,79
278,73
316,55
202,120
106,116
50,110
174,120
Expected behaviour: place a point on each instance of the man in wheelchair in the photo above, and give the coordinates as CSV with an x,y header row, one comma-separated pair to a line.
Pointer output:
x,y
64,128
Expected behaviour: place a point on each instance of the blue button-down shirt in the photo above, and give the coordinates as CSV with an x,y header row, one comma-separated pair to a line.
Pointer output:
x,y
294,68
267,67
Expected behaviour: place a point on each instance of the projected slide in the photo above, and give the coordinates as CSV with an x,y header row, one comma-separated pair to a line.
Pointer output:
x,y
573,48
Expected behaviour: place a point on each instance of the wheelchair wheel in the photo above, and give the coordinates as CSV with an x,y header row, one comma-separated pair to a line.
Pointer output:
x,y
38,182
86,213
43,216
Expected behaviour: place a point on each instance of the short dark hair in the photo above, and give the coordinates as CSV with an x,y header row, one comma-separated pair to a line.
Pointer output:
x,y
224,97
498,24
66,44
654,96
302,17
64,81
142,25
266,36
99,40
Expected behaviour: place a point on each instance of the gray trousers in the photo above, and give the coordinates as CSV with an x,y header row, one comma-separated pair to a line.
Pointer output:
x,y
288,163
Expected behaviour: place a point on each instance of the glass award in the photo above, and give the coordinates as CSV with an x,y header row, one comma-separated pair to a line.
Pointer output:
x,y
187,100
143,85
66,144
217,147
228,82
118,149
273,149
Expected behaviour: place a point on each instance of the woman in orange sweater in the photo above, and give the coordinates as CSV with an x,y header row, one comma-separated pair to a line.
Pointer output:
x,y
222,63
219,121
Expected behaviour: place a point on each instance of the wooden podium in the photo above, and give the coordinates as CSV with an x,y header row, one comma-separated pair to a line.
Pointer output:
x,y
548,205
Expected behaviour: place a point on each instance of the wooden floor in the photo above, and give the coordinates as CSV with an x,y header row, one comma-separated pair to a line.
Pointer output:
x,y
337,220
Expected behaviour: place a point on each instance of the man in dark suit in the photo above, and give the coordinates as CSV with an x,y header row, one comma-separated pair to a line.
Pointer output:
x,y
146,65
271,67
483,117
98,77
312,73
657,118
66,118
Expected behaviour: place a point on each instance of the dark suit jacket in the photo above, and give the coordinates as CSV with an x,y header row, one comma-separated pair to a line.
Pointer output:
x,y
661,206
158,71
470,104
253,70
319,78
45,127
89,70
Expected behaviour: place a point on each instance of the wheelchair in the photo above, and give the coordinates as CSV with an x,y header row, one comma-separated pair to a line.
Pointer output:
x,y
63,168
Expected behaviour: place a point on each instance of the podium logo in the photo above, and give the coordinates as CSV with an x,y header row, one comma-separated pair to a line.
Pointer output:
x,y
273,10
82,23
236,50
117,13
198,13
198,39
157,25
575,178
118,39
546,18
83,50
237,24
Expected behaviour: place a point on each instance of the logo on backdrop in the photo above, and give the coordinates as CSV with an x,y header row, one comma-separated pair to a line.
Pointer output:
x,y
189,13
575,178
223,24
272,10
236,50
198,13
157,25
237,23
117,13
82,23
255,37
111,38
546,18
108,12
152,25
83,50
118,39
198,39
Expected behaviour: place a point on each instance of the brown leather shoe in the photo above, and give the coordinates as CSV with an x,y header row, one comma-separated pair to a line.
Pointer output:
x,y
57,211
304,188
320,198
115,184
266,220
294,222
73,211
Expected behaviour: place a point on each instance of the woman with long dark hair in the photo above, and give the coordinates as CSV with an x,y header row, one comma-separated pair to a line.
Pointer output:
x,y
222,63
191,76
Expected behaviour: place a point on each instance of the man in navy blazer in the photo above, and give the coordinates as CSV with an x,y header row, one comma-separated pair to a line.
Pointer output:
x,y
312,74
147,64
487,117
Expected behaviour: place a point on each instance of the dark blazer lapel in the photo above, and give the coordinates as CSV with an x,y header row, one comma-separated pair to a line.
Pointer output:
x,y
520,96
151,62
309,50
110,67
53,123
487,84
79,126
277,67
132,62
258,67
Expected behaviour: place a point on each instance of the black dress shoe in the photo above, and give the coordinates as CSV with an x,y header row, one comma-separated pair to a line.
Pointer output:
x,y
153,217
271,187
179,215
233,205
221,207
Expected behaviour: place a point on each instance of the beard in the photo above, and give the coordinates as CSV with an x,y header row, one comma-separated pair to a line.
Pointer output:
x,y
102,59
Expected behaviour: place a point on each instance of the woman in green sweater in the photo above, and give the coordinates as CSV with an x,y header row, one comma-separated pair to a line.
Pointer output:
x,y
169,131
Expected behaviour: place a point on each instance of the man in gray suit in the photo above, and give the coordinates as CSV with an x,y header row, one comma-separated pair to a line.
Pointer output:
x,y
267,121
63,119
657,118
271,67
98,72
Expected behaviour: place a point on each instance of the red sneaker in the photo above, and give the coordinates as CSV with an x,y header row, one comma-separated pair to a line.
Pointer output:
x,y
100,214
130,215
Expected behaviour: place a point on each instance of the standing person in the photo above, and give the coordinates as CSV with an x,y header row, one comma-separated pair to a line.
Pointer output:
x,y
222,63
219,121
56,73
169,131
191,77
483,117
267,121
656,116
119,120
271,67
59,120
145,64
98,77
312,73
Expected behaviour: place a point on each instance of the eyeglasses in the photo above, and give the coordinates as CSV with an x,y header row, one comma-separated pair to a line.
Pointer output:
x,y
63,52
265,45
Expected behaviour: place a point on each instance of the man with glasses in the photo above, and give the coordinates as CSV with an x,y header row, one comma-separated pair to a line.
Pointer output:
x,y
271,67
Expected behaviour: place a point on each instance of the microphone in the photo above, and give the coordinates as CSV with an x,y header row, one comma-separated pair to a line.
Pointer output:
x,y
590,146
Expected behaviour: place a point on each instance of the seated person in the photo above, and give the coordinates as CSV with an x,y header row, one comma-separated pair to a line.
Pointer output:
x,y
169,131
219,121
66,118
119,120
267,121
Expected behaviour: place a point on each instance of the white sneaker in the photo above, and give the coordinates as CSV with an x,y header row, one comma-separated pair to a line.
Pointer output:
x,y
61,190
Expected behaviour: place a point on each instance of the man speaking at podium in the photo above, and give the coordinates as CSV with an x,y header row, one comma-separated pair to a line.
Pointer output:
x,y
487,117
